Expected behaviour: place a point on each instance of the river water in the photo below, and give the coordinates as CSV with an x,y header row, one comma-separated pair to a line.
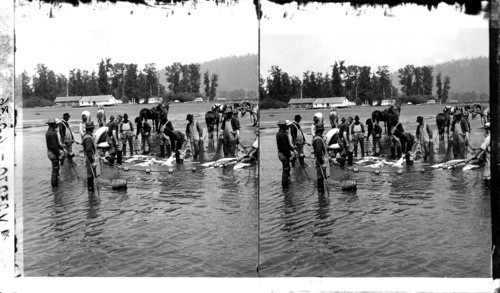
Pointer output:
x,y
432,224
201,223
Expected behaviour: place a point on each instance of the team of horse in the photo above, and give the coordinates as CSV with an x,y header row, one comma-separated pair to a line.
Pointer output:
x,y
214,116
389,116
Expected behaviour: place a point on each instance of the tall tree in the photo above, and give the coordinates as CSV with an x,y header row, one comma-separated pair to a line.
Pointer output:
x,y
351,82
337,87
103,81
427,80
131,90
439,86
214,78
406,79
446,88
27,91
184,84
152,82
385,81
62,85
194,77
418,83
206,82
365,90
118,80
173,73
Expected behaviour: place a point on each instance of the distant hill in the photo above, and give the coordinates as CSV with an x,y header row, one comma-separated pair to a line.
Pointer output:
x,y
466,75
235,72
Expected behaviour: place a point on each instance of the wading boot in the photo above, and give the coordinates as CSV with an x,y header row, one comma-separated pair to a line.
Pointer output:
x,y
169,151
321,185
162,151
90,184
119,157
487,183
349,159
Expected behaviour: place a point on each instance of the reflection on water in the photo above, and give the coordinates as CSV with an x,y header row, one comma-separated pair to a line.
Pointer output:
x,y
201,223
432,224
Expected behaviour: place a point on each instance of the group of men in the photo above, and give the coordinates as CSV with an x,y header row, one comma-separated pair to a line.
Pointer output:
x,y
342,141
120,131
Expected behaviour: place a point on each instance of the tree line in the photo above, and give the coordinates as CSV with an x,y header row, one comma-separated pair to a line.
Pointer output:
x,y
359,84
126,82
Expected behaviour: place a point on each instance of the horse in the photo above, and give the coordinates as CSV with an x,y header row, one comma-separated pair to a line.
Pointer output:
x,y
390,119
146,114
443,121
212,118
101,117
161,111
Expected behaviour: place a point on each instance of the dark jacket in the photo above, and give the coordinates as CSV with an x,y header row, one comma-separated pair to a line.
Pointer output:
x,y
52,141
283,143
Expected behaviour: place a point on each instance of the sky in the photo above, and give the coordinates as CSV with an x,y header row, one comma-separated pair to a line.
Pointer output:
x,y
78,37
315,36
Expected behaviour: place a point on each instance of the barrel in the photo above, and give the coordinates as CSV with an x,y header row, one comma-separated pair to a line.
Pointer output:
x,y
348,185
119,184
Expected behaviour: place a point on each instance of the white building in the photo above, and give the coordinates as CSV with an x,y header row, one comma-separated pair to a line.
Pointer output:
x,y
104,100
387,102
337,102
67,101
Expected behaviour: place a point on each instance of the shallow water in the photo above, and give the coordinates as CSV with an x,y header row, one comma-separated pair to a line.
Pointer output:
x,y
432,224
201,223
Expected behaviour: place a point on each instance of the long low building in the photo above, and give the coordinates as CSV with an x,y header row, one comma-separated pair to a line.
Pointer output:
x,y
337,102
102,100
301,103
67,101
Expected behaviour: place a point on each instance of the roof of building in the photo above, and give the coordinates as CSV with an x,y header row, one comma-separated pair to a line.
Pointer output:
x,y
331,100
67,99
301,101
101,98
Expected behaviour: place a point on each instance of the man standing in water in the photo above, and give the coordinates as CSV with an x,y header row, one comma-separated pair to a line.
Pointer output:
x,y
89,150
424,135
486,151
114,141
298,138
67,136
460,135
285,152
334,118
54,148
348,140
195,135
408,142
319,153
230,134
358,136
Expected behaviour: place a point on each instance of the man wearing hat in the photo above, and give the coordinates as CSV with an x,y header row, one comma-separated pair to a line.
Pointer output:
x,y
298,138
114,141
230,133
358,136
126,129
485,152
347,141
194,134
67,137
89,150
459,135
317,119
285,152
408,143
111,119
334,117
54,148
424,135
320,152
166,136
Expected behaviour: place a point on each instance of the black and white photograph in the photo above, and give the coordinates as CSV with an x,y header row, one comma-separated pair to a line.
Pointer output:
x,y
375,142
137,141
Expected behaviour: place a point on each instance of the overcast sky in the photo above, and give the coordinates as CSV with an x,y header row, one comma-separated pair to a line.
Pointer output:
x,y
315,36
78,37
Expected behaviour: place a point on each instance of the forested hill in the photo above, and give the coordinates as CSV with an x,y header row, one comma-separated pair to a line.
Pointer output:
x,y
235,72
466,75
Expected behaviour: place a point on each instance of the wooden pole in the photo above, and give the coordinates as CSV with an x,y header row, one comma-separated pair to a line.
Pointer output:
x,y
495,133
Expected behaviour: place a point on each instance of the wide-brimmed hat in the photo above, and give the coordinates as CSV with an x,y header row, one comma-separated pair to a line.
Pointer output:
x,y
282,122
51,121
320,126
111,117
189,116
89,125
420,119
66,115
125,116
298,117
119,116
343,119
457,112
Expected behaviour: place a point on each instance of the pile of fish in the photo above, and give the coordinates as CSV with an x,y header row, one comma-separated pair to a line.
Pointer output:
x,y
146,161
452,164
376,162
225,162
